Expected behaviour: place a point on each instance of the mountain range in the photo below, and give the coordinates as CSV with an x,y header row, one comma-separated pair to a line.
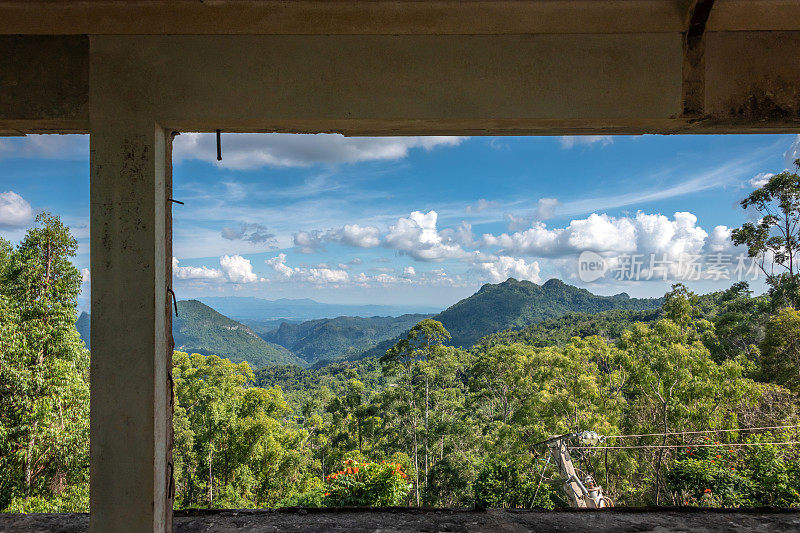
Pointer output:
x,y
299,310
272,339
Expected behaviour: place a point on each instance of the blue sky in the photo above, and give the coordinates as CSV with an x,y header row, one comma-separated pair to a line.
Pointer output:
x,y
418,221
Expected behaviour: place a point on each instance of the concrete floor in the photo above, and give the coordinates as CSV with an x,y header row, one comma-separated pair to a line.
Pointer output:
x,y
408,520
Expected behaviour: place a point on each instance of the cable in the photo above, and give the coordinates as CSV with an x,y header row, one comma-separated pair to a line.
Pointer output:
x,y
669,434
721,445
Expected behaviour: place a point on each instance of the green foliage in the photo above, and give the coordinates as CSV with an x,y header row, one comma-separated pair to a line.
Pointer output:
x,y
44,389
725,476
559,331
780,350
367,484
200,329
231,447
460,423
775,238
514,483
341,338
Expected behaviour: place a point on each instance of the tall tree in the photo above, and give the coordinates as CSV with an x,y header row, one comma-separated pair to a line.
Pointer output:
x,y
44,390
774,239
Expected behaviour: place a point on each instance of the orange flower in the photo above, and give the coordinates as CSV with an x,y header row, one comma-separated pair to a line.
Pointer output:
x,y
717,443
355,470
718,456
707,490
327,494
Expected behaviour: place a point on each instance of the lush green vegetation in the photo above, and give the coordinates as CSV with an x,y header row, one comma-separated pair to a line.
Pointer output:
x,y
515,304
341,338
429,422
44,371
198,328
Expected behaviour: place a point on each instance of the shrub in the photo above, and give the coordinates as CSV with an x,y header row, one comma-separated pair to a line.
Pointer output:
x,y
513,484
367,484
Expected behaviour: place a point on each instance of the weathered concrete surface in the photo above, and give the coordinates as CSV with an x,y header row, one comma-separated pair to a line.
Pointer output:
x,y
408,520
129,417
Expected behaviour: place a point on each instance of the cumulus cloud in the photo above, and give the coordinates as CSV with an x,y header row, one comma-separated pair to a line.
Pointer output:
x,y
86,275
244,151
238,269
409,271
503,267
358,236
570,141
254,233
644,233
418,237
194,272
319,275
15,211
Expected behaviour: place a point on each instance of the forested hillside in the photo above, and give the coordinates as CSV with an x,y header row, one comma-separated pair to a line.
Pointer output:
x,y
200,329
515,304
341,338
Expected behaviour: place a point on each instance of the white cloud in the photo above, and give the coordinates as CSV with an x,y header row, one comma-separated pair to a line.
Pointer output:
x,y
570,141
546,208
351,235
644,233
409,271
86,275
359,236
417,236
503,267
761,179
319,275
72,147
15,211
249,151
481,205
308,242
194,272
238,269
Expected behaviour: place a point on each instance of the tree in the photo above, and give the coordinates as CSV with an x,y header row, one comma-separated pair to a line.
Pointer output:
x,y
780,350
44,390
775,238
423,341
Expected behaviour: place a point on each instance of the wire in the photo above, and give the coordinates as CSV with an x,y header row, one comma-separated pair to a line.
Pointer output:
x,y
729,445
702,431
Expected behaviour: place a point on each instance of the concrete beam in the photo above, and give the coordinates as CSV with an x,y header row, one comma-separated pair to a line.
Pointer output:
x,y
338,17
44,84
547,84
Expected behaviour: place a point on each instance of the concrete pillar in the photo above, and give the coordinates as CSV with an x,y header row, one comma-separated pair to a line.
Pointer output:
x,y
130,380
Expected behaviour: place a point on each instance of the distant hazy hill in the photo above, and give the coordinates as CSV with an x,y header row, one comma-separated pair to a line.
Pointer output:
x,y
515,304
200,329
82,325
340,338
243,307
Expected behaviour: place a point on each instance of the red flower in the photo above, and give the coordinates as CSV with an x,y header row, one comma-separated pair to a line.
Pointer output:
x,y
355,470
707,490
